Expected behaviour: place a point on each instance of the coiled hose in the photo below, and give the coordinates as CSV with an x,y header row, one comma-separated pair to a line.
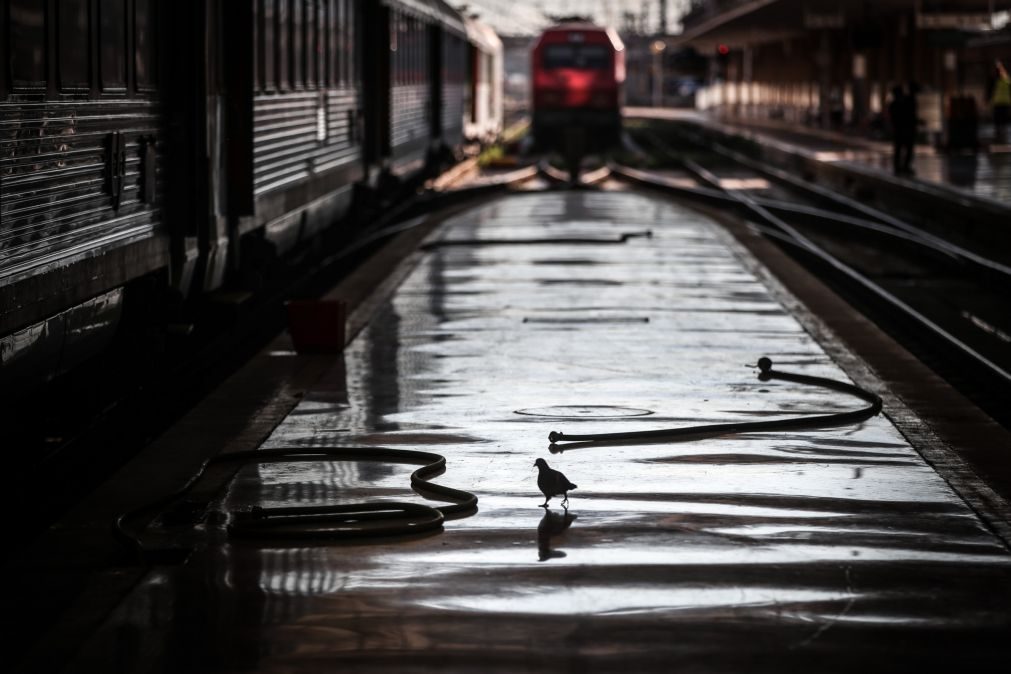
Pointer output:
x,y
792,423
330,522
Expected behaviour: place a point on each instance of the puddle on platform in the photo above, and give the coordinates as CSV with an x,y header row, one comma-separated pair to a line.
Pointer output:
x,y
825,550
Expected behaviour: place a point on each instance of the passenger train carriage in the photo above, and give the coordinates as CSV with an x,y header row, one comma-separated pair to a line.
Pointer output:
x,y
178,142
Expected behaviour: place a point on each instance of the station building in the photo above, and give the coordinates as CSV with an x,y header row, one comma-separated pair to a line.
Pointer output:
x,y
833,63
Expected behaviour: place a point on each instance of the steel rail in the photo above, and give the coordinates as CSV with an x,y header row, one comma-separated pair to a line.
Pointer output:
x,y
814,216
983,263
852,274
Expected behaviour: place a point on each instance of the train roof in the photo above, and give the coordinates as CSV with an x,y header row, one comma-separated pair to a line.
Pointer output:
x,y
483,35
436,10
583,27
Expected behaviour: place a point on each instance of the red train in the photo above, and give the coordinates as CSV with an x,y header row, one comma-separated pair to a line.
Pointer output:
x,y
578,78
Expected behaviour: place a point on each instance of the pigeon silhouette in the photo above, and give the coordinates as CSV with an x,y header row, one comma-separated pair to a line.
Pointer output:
x,y
552,483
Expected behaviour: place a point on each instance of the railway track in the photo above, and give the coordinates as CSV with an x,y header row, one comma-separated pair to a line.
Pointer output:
x,y
944,301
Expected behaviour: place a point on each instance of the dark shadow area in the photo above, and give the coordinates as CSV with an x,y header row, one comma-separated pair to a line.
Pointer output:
x,y
551,525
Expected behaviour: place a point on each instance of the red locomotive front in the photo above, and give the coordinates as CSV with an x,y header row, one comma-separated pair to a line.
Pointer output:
x,y
578,73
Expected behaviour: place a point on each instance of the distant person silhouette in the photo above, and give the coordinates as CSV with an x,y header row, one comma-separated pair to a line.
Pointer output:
x,y
903,113
1000,100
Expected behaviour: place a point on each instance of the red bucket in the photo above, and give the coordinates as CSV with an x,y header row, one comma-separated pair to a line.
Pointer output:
x,y
317,326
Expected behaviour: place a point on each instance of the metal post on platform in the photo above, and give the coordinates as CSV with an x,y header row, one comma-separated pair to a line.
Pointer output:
x,y
658,48
824,60
860,103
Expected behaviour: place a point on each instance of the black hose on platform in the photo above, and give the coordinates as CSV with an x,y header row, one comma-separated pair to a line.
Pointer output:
x,y
792,423
329,522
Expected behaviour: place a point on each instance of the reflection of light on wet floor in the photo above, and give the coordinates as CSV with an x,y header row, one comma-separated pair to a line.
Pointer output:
x,y
798,530
302,583
987,327
845,155
744,183
613,508
630,599
875,619
786,527
686,183
703,549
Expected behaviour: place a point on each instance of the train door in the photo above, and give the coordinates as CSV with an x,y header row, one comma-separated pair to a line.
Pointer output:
x,y
210,92
435,82
375,26
188,188
474,80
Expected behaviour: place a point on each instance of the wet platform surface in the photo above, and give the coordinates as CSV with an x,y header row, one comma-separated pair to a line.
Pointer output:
x,y
982,174
825,550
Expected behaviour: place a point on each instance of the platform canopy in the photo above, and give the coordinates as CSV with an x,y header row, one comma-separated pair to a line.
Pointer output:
x,y
438,10
742,23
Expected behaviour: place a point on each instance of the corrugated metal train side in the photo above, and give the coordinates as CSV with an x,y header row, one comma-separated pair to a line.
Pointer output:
x,y
161,142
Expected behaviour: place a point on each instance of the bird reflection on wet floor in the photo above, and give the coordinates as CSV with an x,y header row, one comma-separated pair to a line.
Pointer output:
x,y
551,525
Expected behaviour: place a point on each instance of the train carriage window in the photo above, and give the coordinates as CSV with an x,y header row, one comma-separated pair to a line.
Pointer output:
x,y
415,65
410,53
350,43
582,56
343,30
73,37
405,51
257,54
339,18
330,41
414,53
417,53
394,34
322,42
112,44
421,65
267,47
4,57
401,49
27,44
309,43
340,41
336,40
282,40
145,32
297,45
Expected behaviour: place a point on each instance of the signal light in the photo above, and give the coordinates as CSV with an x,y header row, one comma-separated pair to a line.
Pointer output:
x,y
723,50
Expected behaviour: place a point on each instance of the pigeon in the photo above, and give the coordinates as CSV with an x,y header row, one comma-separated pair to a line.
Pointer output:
x,y
552,483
